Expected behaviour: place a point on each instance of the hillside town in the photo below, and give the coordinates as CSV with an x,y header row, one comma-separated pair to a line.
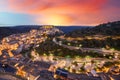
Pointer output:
x,y
18,42
59,39
12,46
20,53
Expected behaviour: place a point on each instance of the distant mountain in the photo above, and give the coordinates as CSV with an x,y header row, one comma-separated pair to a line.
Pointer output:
x,y
110,28
8,30
67,29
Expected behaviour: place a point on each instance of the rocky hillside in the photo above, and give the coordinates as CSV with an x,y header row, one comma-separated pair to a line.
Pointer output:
x,y
110,28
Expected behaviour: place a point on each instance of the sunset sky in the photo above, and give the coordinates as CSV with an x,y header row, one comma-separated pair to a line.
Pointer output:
x,y
58,12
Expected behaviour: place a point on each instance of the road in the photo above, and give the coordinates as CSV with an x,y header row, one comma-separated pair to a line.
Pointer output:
x,y
98,50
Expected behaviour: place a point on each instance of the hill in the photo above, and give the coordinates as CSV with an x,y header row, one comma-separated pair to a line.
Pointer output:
x,y
67,29
8,30
109,29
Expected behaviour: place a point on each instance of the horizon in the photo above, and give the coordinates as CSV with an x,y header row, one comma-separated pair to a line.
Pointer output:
x,y
48,25
6,25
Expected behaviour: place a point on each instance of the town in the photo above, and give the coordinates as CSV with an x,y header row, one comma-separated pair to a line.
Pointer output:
x,y
59,39
18,51
11,47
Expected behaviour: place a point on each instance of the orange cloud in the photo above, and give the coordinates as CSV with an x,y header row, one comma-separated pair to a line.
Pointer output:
x,y
65,11
32,6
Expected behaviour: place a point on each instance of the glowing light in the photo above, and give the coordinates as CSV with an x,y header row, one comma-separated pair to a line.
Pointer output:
x,y
55,20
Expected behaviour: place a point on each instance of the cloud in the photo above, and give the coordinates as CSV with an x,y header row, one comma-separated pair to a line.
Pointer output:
x,y
67,11
38,6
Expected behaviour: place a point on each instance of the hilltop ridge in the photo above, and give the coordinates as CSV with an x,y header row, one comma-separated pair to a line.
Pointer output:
x,y
109,29
9,30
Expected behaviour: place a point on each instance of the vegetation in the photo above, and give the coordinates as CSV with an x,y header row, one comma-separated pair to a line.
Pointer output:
x,y
50,48
7,30
94,43
105,35
110,28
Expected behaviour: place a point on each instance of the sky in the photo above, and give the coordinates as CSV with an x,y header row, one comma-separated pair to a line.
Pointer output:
x,y
58,12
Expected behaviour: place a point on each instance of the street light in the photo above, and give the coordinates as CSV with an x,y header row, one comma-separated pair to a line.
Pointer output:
x,y
80,45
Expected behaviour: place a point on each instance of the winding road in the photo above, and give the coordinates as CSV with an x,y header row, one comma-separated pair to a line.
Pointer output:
x,y
98,50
